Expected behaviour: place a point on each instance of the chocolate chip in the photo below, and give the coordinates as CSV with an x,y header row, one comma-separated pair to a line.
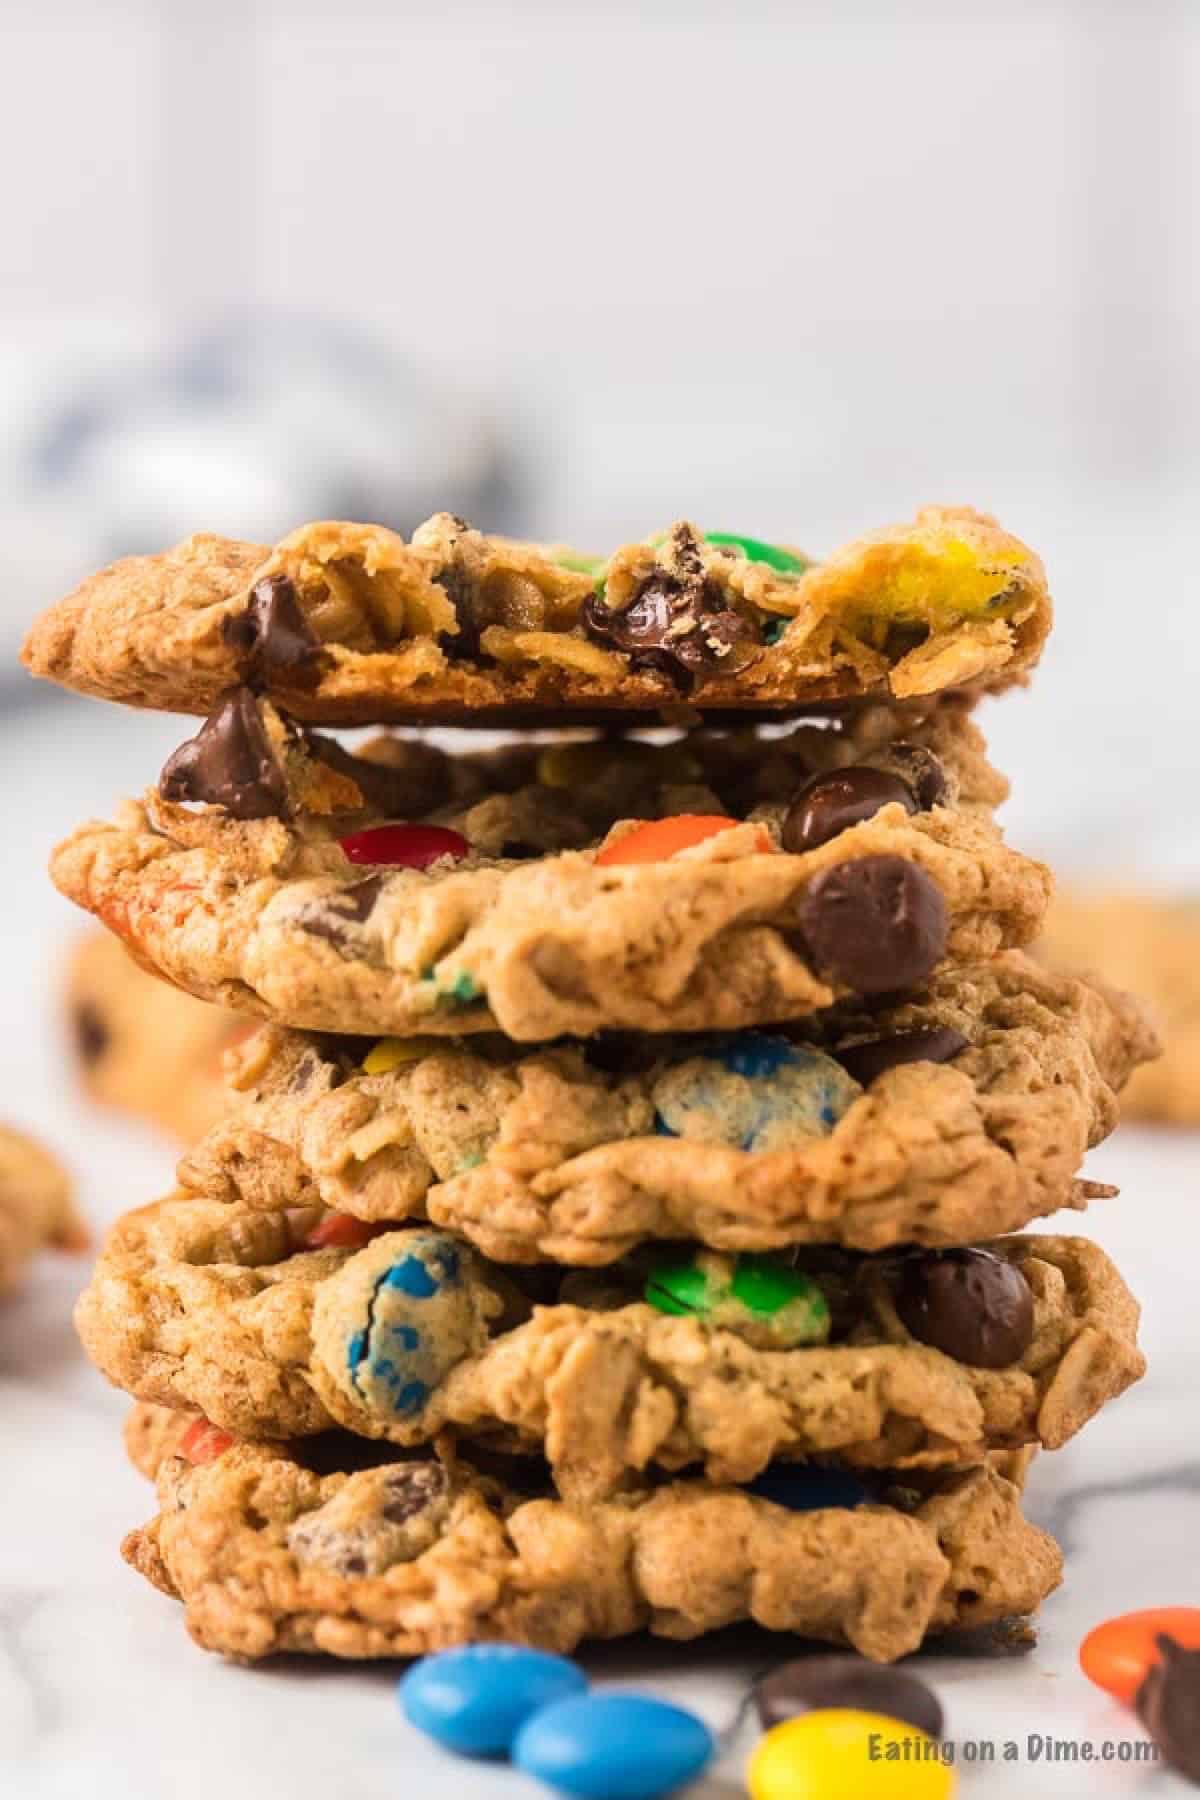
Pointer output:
x,y
829,804
272,639
404,790
228,763
334,918
971,1304
1168,1704
676,623
413,1488
920,768
875,923
926,1043
463,594
815,1683
92,1036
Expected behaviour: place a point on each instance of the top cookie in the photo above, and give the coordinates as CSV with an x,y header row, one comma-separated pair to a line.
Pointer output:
x,y
348,624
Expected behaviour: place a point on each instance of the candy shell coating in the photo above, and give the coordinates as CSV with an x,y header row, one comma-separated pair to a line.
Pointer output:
x,y
827,1756
613,1747
785,562
1117,1653
475,1699
754,1092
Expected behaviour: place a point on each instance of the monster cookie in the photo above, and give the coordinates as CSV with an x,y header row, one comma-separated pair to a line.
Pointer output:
x,y
143,1046
271,1326
962,1112
35,1205
757,881
348,624
270,1553
1153,945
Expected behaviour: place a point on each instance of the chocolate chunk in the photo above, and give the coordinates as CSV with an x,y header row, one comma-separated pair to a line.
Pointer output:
x,y
413,1488
920,768
816,1683
272,639
404,790
971,1304
926,1043
228,763
1168,1704
463,594
334,918
677,624
829,804
92,1036
876,923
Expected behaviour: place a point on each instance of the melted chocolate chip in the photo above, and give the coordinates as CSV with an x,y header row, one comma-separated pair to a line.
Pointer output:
x,y
336,917
815,1683
829,804
927,1043
228,763
1168,1704
974,1306
676,624
920,768
413,1488
875,923
272,639
92,1036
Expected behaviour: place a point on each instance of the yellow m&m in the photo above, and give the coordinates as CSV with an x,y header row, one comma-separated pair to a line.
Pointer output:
x,y
841,1754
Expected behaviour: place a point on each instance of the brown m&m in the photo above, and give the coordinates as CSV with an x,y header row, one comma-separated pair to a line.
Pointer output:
x,y
970,1304
1168,1704
812,1683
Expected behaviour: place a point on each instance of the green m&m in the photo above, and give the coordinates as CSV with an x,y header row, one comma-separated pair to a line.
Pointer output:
x,y
760,1298
787,562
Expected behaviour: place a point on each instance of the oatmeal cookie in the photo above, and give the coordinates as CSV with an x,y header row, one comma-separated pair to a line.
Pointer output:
x,y
400,1558
36,1209
349,624
961,1113
143,1046
706,884
919,1360
1152,945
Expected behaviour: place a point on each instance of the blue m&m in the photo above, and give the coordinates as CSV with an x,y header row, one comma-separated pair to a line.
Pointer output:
x,y
476,1699
614,1747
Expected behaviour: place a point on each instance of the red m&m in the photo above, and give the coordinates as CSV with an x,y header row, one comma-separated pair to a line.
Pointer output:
x,y
404,846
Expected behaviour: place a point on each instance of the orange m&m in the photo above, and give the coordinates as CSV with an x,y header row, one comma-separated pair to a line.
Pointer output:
x,y
1117,1654
658,839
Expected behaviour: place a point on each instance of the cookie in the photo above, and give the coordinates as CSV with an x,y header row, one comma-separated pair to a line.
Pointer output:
x,y
974,1105
1151,945
348,624
269,1554
36,1209
525,894
260,1321
143,1046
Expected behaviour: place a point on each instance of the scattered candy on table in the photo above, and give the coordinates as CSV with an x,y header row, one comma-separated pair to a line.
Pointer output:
x,y
614,1747
657,839
405,846
1118,1654
756,1295
753,1091
476,1699
1168,1705
844,1754
812,1683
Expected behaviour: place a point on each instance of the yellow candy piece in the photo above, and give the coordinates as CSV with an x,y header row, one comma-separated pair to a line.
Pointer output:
x,y
841,1754
390,1053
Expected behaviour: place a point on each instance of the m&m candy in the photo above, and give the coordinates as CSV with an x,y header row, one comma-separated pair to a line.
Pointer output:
x,y
476,1699
843,1754
404,846
613,1747
1118,1654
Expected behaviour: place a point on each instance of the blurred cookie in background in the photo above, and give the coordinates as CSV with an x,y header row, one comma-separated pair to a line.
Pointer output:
x,y
36,1209
1150,946
143,1046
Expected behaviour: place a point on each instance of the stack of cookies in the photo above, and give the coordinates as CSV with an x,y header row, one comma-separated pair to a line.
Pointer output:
x,y
608,1228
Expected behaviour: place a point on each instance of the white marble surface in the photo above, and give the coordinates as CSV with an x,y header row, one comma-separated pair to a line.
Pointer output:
x,y
101,1693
